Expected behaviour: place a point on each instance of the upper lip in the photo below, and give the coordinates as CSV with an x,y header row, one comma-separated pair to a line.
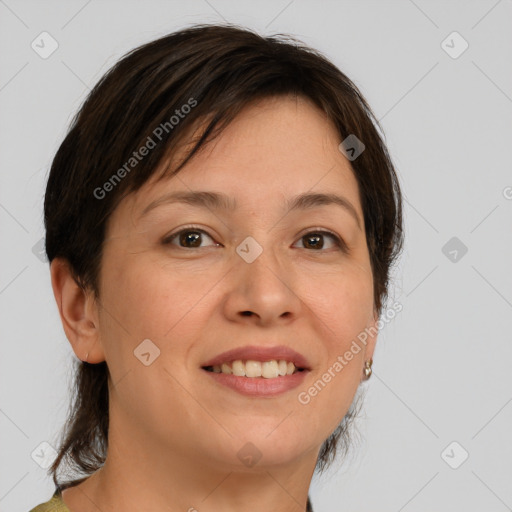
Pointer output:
x,y
260,353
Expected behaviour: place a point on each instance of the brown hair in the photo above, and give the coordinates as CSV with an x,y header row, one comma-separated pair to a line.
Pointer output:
x,y
216,71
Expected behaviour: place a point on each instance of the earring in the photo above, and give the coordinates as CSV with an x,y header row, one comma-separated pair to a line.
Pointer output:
x,y
86,357
368,368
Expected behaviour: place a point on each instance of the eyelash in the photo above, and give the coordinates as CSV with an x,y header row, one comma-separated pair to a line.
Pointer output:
x,y
340,244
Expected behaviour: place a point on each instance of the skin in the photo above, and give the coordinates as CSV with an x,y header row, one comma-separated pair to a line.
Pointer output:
x,y
174,433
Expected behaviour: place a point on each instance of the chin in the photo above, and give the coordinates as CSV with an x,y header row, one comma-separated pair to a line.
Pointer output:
x,y
269,449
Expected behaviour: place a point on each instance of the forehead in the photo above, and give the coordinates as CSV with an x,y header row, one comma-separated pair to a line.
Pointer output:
x,y
274,149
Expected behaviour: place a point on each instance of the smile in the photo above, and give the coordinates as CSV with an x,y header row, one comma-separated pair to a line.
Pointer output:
x,y
253,369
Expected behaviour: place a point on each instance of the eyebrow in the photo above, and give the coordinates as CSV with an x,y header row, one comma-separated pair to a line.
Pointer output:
x,y
219,201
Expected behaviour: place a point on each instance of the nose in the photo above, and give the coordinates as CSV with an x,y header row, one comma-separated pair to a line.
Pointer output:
x,y
262,292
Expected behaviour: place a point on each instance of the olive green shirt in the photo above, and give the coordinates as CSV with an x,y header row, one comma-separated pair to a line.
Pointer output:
x,y
54,505
57,505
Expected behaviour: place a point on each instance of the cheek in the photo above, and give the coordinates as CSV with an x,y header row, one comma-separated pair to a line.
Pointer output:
x,y
144,299
342,302
343,313
342,309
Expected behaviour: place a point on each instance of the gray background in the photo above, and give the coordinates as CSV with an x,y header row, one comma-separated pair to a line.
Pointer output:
x,y
442,366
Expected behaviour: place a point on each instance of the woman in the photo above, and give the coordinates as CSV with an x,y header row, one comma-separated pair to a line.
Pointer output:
x,y
220,222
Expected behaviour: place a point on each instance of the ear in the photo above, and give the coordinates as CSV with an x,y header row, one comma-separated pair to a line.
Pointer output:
x,y
78,313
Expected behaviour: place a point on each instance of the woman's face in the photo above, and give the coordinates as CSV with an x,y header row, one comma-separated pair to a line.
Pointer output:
x,y
259,274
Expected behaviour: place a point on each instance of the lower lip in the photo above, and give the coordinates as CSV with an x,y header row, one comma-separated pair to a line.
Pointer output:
x,y
259,386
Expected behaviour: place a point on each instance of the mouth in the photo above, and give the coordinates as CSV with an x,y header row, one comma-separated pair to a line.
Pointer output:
x,y
258,371
254,369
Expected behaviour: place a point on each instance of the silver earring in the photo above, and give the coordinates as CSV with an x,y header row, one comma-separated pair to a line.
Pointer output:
x,y
368,368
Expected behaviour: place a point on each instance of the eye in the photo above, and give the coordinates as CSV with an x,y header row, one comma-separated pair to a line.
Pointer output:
x,y
192,238
188,238
315,240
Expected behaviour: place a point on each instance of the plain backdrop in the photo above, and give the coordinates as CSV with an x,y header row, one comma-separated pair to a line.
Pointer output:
x,y
435,429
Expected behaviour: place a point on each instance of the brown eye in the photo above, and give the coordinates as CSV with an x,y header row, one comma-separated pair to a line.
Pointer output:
x,y
188,238
315,240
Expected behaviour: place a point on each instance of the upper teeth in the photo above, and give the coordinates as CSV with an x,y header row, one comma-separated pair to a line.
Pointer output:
x,y
267,369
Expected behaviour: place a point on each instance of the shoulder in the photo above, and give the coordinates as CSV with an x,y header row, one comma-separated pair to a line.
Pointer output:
x,y
55,504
